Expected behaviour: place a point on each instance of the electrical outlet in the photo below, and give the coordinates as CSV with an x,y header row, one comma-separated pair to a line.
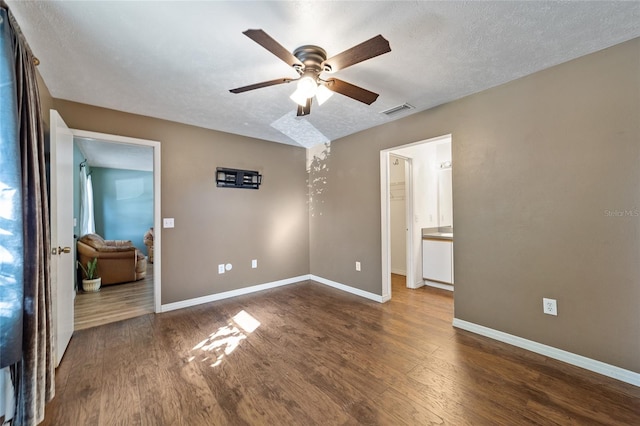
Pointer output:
x,y
358,266
168,222
221,269
549,306
254,263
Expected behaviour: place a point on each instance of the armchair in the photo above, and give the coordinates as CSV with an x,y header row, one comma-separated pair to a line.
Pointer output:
x,y
118,260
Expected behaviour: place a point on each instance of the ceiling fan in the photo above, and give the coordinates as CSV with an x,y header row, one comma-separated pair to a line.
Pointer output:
x,y
310,62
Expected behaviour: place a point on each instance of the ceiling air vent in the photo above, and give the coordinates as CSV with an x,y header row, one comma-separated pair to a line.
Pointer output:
x,y
397,109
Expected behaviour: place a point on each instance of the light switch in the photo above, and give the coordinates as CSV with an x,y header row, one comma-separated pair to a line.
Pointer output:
x,y
167,222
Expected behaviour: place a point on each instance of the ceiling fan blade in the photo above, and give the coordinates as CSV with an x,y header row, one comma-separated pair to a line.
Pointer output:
x,y
366,50
352,91
261,85
304,110
266,41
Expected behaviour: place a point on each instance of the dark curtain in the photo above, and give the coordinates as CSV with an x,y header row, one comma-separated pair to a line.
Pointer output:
x,y
33,375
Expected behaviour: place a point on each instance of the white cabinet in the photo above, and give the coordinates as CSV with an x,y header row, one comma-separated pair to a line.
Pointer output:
x,y
437,260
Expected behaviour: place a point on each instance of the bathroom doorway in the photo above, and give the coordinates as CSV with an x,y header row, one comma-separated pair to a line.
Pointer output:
x,y
422,203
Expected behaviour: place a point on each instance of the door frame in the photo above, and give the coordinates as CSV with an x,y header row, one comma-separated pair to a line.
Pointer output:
x,y
157,224
61,222
408,219
385,213
385,210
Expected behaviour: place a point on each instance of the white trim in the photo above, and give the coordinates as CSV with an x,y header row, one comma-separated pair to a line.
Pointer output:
x,y
111,138
410,255
157,229
385,210
438,285
399,271
231,293
157,191
555,353
260,287
385,216
349,289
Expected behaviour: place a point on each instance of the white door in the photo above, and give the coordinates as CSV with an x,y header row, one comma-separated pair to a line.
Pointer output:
x,y
62,242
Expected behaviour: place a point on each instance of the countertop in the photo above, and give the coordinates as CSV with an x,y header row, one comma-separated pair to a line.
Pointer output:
x,y
435,234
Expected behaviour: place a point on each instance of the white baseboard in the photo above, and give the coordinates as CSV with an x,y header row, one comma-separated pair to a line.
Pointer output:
x,y
232,293
260,287
348,289
399,271
438,285
416,285
555,353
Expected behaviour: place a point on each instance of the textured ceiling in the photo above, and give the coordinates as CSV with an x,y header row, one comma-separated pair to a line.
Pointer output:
x,y
178,60
113,155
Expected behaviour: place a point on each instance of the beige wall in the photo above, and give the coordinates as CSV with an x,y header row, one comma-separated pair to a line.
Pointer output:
x,y
46,101
217,225
538,162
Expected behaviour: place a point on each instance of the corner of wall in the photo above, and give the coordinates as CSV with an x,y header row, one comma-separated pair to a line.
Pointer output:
x,y
46,100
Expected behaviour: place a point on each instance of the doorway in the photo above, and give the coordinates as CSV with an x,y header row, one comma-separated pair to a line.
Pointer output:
x,y
398,168
118,302
423,161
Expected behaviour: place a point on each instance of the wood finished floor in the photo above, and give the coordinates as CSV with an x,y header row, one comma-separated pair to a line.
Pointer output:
x,y
321,356
114,303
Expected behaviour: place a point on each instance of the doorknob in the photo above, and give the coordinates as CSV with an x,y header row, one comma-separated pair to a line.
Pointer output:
x,y
62,250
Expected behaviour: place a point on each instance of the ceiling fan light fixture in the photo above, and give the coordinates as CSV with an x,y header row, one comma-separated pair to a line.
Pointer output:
x,y
323,94
299,98
307,87
309,61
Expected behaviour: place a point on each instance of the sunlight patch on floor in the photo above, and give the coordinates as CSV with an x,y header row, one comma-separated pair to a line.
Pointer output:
x,y
226,339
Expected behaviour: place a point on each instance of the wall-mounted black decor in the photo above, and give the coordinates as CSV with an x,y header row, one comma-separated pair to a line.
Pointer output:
x,y
234,178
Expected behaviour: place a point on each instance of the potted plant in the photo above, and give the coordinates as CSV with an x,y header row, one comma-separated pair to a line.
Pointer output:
x,y
91,281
